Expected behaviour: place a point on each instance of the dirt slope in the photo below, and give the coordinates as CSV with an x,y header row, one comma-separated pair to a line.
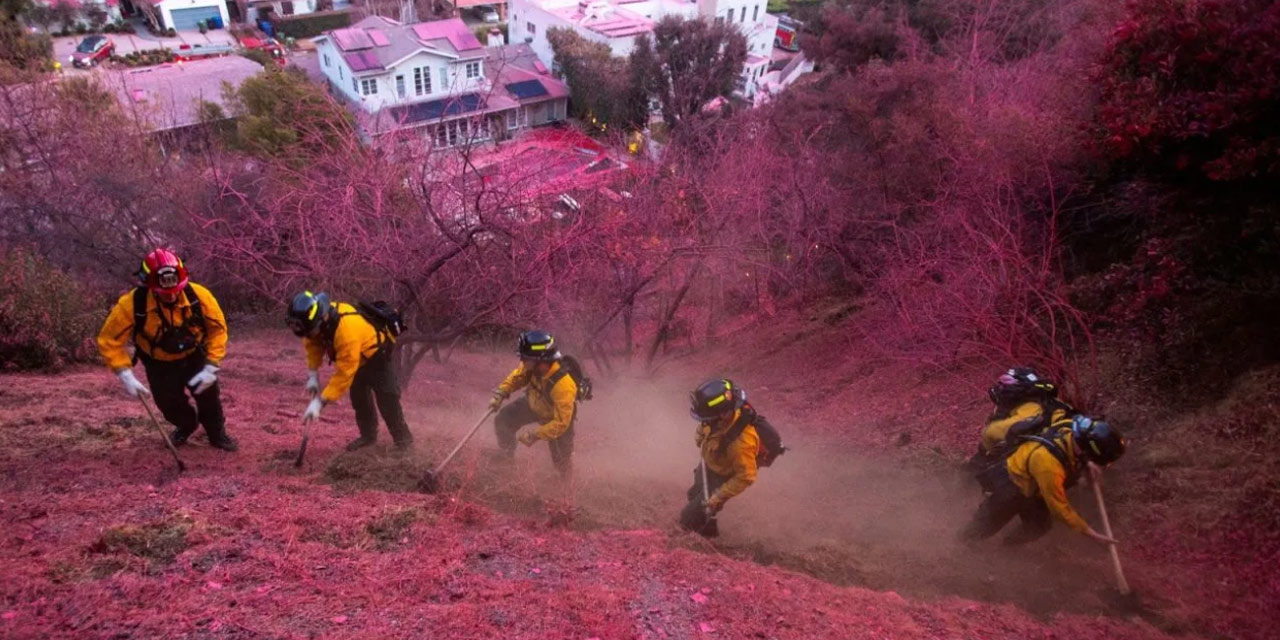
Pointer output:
x,y
102,539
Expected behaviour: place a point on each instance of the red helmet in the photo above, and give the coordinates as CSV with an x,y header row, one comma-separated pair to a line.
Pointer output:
x,y
164,272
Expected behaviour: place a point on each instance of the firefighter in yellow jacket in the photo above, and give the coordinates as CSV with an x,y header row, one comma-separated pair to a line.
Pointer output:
x,y
729,436
180,335
1025,403
1033,481
363,361
551,401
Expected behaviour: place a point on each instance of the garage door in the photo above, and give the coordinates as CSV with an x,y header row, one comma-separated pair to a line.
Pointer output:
x,y
190,19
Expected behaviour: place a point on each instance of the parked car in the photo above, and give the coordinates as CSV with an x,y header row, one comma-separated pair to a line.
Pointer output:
x,y
269,45
487,13
92,50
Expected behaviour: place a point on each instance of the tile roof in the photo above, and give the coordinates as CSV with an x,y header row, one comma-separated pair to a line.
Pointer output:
x,y
377,43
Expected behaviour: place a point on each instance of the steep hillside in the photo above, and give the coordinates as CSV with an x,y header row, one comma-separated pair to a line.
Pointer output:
x,y
104,539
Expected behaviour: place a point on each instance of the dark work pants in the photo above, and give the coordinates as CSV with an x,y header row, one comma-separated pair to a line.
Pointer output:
x,y
1003,502
518,414
694,515
168,382
376,380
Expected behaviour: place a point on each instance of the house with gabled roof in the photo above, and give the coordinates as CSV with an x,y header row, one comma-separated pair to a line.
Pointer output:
x,y
438,77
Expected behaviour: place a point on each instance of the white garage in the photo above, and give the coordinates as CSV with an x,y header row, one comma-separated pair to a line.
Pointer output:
x,y
186,15
190,19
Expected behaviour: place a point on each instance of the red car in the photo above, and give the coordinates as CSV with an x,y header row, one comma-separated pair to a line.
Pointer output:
x,y
92,50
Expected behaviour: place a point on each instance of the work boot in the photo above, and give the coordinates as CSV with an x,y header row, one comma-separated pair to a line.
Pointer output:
x,y
224,442
179,436
404,446
360,443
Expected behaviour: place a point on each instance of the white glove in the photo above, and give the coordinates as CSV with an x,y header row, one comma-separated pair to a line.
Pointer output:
x,y
131,384
203,380
313,382
313,409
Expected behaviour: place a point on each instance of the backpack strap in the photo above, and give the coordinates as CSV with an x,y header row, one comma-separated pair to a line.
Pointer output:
x,y
139,312
744,420
1051,445
197,308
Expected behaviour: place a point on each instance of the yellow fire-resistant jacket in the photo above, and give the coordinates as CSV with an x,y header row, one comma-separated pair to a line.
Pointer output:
x,y
354,342
996,430
555,406
738,461
118,329
1036,471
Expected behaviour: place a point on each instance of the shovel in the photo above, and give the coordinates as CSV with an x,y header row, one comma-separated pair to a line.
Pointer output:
x,y
430,482
167,442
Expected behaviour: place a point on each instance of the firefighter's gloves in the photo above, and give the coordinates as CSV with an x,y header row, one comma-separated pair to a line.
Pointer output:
x,y
714,506
203,380
131,384
313,382
496,402
313,409
527,438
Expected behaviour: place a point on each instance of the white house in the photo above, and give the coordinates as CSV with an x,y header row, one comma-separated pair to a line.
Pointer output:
x,y
437,75
254,10
618,22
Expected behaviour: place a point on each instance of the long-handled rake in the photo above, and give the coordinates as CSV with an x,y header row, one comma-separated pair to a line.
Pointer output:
x,y
306,437
430,482
1121,583
167,442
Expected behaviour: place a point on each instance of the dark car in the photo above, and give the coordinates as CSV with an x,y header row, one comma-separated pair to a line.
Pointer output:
x,y
92,50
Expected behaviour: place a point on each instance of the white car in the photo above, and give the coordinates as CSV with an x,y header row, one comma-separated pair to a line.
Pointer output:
x,y
487,13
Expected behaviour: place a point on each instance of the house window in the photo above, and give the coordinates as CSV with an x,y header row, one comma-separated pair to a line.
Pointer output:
x,y
326,60
518,117
719,19
533,29
369,86
339,73
286,8
400,90
731,15
473,70
421,80
355,85
755,15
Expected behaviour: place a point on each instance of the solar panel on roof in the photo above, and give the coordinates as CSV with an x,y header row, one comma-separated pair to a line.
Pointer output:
x,y
527,89
379,38
435,109
352,39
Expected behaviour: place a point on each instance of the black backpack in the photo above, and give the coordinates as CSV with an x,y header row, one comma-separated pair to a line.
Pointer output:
x,y
384,317
569,366
992,473
770,440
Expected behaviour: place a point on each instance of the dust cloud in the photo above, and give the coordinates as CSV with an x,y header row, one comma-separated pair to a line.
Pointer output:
x,y
823,508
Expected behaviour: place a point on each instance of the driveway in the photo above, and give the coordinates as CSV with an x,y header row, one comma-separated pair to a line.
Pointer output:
x,y
141,41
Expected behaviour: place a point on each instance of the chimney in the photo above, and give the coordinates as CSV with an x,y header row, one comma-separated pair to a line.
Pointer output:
x,y
495,38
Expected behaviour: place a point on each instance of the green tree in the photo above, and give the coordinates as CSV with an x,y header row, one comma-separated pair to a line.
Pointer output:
x,y
598,81
687,64
18,48
282,114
